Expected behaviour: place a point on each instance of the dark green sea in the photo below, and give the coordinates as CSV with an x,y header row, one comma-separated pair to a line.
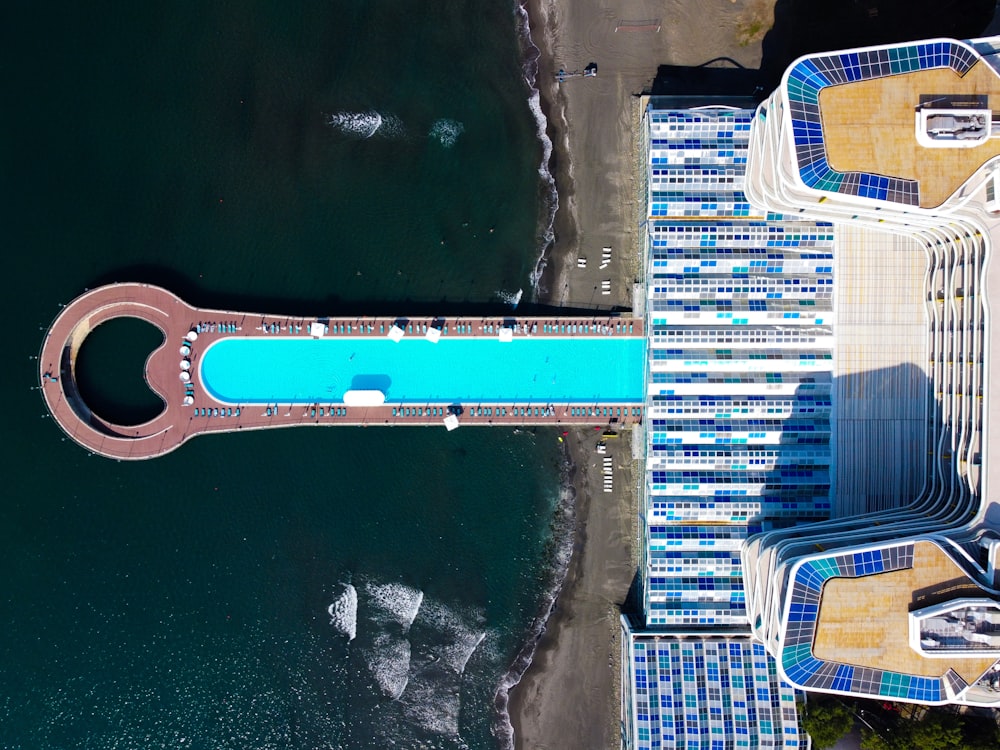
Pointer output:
x,y
303,158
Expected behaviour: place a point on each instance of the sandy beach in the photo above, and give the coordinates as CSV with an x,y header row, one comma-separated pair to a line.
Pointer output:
x,y
569,697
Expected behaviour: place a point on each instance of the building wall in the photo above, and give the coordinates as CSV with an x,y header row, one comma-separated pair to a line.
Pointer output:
x,y
739,309
716,693
939,388
740,355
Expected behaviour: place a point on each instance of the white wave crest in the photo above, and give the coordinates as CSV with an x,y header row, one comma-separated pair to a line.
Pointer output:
x,y
460,633
360,124
457,654
510,298
364,125
446,131
389,663
546,229
395,602
344,612
426,715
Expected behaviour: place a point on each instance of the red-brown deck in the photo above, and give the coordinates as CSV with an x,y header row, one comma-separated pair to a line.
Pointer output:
x,y
178,423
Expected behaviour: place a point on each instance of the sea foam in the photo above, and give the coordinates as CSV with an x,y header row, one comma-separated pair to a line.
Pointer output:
x,y
426,716
364,125
546,228
388,660
457,634
432,703
510,298
446,132
344,611
394,602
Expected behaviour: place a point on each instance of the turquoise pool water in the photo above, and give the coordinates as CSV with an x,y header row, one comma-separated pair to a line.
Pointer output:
x,y
468,370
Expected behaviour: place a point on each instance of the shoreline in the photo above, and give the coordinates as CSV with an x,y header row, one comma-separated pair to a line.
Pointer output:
x,y
545,238
568,694
550,277
564,532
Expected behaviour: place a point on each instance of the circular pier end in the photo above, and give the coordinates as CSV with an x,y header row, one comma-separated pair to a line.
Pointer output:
x,y
57,370
173,372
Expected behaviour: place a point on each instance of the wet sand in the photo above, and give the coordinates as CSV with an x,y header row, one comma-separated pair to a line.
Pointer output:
x,y
570,695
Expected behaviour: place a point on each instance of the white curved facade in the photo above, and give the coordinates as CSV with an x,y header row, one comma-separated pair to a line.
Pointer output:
x,y
805,585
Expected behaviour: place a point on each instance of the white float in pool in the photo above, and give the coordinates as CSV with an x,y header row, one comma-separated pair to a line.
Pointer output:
x,y
364,398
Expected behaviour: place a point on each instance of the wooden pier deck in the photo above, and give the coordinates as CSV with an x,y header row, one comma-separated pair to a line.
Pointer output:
x,y
178,422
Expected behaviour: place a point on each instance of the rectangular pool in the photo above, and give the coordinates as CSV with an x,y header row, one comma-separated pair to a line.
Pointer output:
x,y
468,370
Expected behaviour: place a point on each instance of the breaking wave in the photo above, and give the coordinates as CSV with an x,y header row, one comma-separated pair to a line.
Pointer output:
x,y
417,658
432,703
388,660
446,132
395,602
510,298
344,612
364,125
413,659
457,634
426,716
546,228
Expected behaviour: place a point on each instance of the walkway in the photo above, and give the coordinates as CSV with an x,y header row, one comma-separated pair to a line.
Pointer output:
x,y
189,409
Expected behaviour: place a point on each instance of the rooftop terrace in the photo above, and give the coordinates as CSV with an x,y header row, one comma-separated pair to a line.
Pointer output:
x,y
853,118
863,621
869,126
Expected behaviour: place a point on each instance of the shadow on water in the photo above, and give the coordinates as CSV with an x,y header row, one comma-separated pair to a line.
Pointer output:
x,y
109,371
334,306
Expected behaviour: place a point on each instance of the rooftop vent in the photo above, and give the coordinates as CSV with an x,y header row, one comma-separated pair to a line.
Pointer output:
x,y
953,128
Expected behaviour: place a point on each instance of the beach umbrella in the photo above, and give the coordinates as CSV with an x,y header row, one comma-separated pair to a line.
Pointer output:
x,y
185,375
185,364
185,350
188,400
191,336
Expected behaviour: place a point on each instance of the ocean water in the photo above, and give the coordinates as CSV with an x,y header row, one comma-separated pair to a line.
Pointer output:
x,y
337,588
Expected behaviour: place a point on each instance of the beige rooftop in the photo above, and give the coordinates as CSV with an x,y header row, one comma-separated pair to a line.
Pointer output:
x,y
864,621
869,126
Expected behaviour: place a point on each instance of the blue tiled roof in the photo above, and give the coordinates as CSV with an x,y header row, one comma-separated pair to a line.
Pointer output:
x,y
806,670
812,75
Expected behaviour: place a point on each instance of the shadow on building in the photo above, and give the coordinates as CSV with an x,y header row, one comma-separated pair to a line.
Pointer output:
x,y
880,440
893,462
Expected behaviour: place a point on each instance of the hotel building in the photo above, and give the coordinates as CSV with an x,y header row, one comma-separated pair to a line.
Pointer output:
x,y
903,603
771,390
740,342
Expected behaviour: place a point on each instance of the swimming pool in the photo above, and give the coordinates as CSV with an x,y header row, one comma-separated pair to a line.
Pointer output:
x,y
469,370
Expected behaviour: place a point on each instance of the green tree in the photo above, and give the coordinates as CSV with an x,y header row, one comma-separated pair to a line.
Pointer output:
x,y
935,730
872,741
826,721
980,733
938,730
